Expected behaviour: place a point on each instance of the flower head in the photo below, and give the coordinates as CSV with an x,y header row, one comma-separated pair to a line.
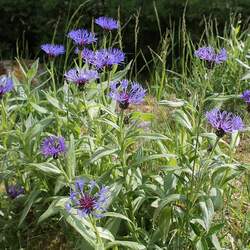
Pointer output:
x,y
221,56
224,122
6,85
107,23
209,55
104,57
53,146
81,76
53,50
88,55
88,199
126,93
246,96
14,190
82,37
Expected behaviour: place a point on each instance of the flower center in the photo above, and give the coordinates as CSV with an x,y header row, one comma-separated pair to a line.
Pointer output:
x,y
124,103
87,203
220,132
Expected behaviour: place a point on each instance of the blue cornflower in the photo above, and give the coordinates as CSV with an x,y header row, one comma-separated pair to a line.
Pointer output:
x,y
126,93
53,50
209,55
107,23
88,199
6,85
246,97
106,58
221,56
53,146
81,76
82,37
224,122
88,55
14,190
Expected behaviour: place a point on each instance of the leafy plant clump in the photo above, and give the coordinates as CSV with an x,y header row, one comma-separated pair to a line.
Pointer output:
x,y
99,161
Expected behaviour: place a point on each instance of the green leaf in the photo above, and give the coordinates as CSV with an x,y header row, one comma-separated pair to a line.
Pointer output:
x,y
71,158
39,109
55,103
127,244
102,152
155,157
117,215
182,118
169,199
32,71
153,136
207,209
47,168
77,223
53,209
29,202
173,104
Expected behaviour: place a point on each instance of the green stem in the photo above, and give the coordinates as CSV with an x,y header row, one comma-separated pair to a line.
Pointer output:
x,y
52,74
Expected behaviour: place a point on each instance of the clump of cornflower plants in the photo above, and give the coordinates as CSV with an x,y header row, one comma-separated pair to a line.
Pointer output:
x,y
6,85
53,50
13,191
87,198
125,93
107,23
210,57
246,97
224,122
53,146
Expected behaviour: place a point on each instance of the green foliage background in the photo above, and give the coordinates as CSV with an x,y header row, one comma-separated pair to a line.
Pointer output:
x,y
34,21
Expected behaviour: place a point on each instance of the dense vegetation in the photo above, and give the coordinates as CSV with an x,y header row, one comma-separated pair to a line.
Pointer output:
x,y
89,160
33,22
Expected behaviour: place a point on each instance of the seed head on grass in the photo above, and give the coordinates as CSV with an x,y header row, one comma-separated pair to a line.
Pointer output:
x,y
224,122
107,23
125,93
53,146
88,199
6,85
53,50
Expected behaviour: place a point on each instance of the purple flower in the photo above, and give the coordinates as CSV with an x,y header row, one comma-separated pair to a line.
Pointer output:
x,y
224,122
6,85
81,76
86,200
53,50
107,23
53,146
14,190
209,55
246,96
82,37
126,93
104,57
88,55
221,56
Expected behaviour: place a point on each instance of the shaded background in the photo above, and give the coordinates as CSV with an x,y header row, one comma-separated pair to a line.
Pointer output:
x,y
33,22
